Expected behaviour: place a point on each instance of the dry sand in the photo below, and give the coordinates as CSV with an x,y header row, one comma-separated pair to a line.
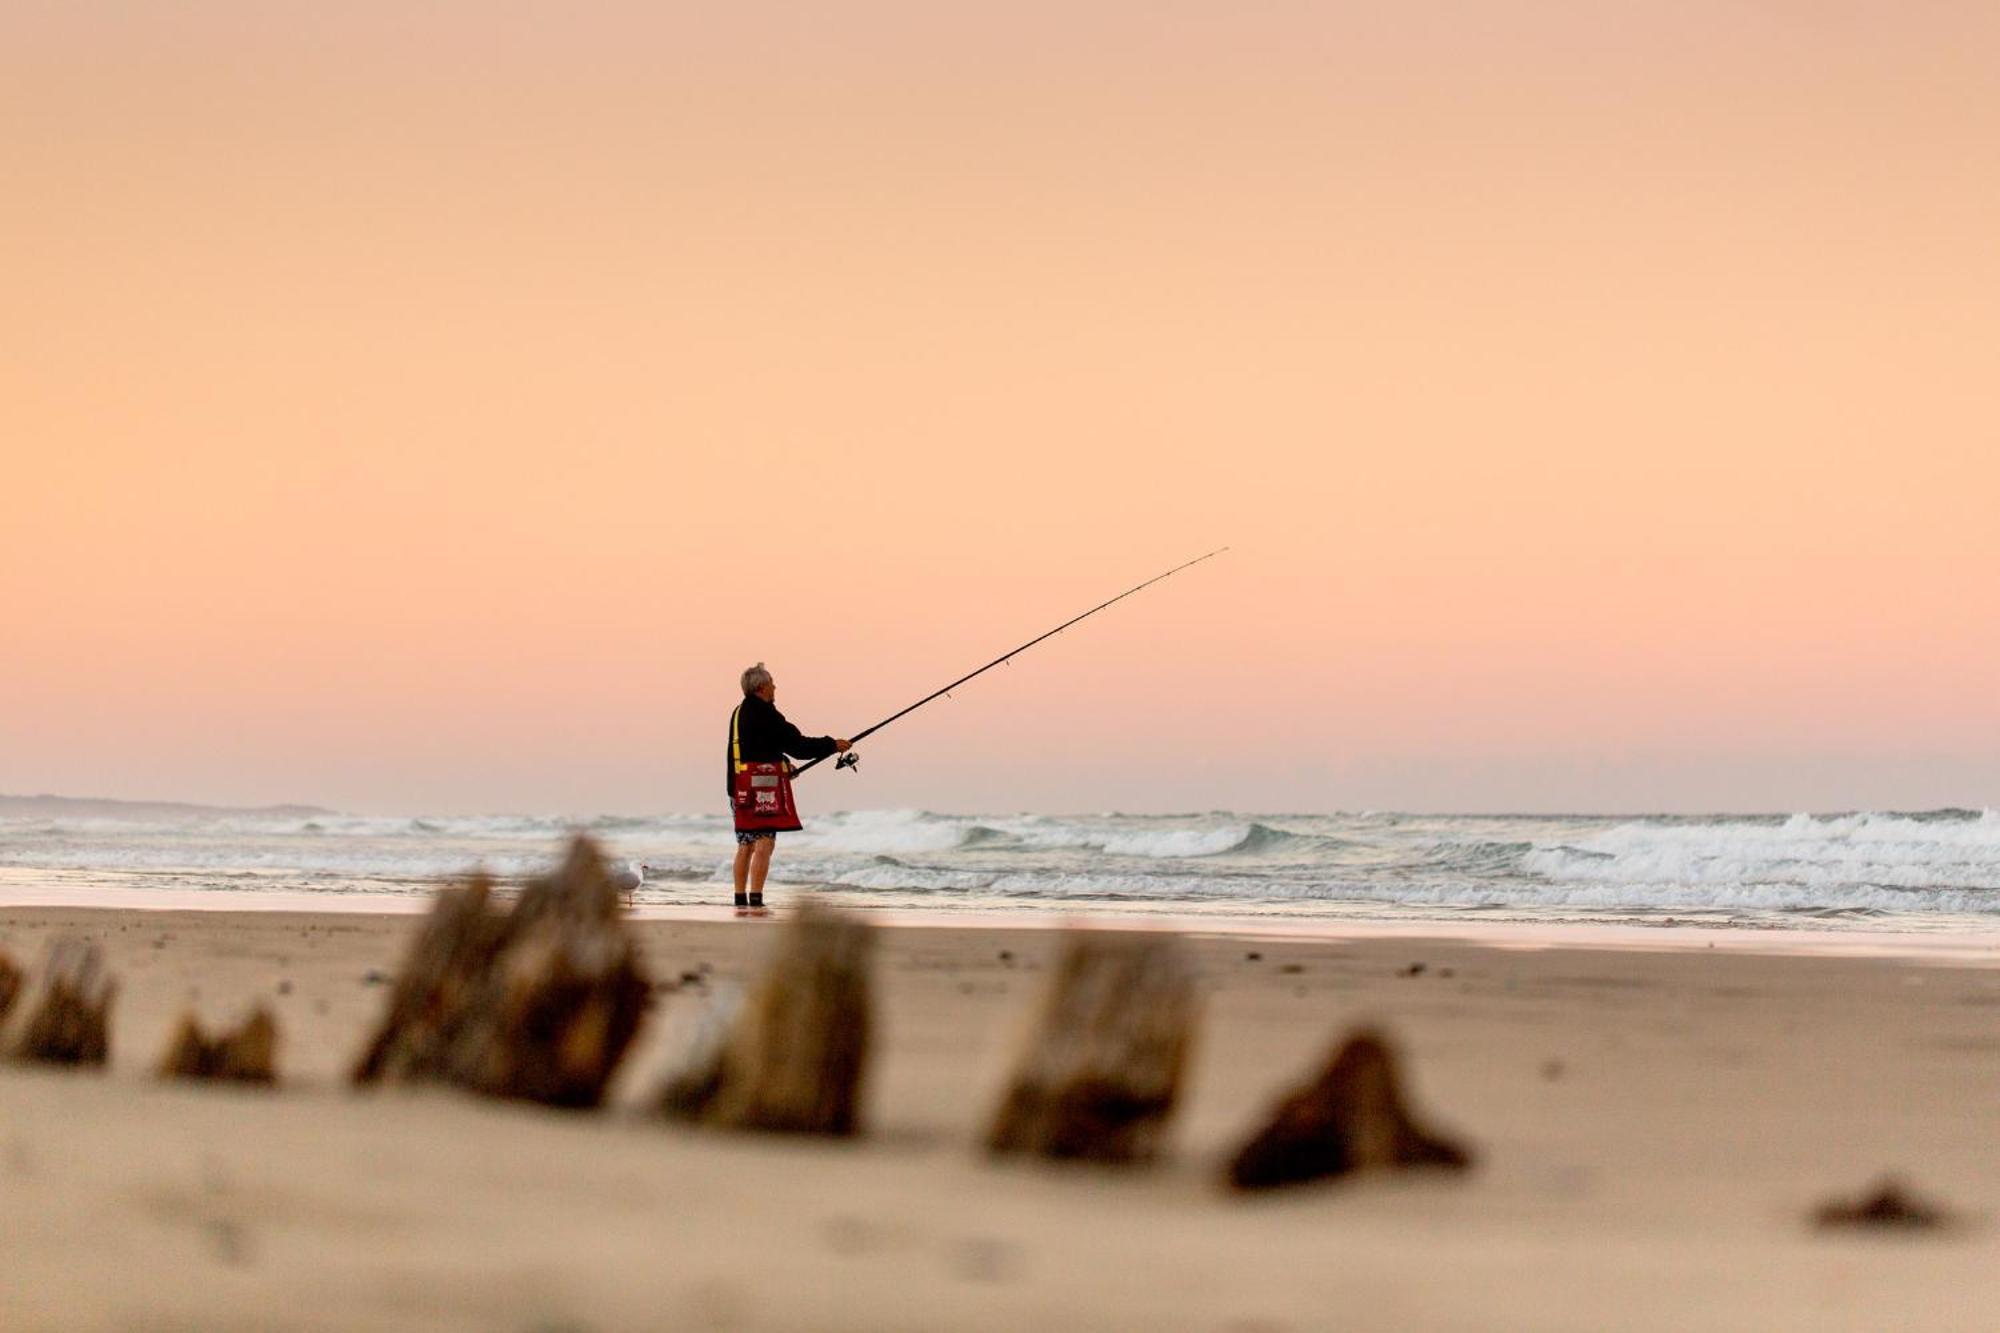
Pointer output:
x,y
1653,1128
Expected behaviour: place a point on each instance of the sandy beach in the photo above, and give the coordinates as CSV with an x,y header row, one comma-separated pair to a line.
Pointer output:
x,y
1653,1128
1451,531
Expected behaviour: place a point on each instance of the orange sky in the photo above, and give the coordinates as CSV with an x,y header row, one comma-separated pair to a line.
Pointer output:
x,y
435,410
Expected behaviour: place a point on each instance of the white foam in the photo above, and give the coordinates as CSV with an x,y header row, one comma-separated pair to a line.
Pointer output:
x,y
1117,836
1847,859
884,833
1180,842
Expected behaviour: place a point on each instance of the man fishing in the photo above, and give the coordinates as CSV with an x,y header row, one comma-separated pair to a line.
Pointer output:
x,y
760,781
760,778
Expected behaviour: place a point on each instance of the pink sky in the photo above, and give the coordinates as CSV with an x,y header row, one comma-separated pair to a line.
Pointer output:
x,y
435,410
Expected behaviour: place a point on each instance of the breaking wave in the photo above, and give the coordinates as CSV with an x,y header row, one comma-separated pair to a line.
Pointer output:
x,y
1876,852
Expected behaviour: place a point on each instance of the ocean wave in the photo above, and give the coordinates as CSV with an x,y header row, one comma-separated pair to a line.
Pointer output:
x,y
1150,837
1477,858
900,832
1188,843
1856,901
1814,867
891,832
1846,899
1857,851
911,879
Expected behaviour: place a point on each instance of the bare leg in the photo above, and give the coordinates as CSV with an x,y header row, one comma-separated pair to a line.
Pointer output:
x,y
742,868
760,865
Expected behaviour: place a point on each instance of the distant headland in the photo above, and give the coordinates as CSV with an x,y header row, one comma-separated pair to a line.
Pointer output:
x,y
94,807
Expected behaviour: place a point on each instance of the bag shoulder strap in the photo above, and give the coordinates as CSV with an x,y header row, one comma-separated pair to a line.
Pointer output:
x,y
736,740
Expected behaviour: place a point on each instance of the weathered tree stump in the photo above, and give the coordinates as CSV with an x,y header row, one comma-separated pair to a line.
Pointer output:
x,y
1351,1118
71,1021
11,980
538,1003
431,1004
247,1055
790,1057
1103,1065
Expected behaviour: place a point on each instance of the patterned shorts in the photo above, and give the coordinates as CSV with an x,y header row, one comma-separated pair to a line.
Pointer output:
x,y
746,839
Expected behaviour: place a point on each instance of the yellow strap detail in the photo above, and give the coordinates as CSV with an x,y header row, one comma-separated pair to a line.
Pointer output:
x,y
736,740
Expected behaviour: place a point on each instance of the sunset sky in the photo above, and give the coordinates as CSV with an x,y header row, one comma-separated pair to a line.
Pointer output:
x,y
433,408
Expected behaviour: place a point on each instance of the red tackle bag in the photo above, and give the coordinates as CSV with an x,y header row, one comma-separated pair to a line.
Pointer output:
x,y
761,794
762,801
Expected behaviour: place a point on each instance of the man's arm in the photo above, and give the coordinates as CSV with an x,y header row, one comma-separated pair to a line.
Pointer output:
x,y
801,746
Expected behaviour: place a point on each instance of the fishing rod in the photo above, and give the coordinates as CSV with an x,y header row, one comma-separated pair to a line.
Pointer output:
x,y
850,759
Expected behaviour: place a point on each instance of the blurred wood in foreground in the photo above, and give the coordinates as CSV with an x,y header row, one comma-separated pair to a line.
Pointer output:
x,y
538,1003
790,1057
1352,1117
247,1055
1103,1065
1888,1205
11,981
71,1021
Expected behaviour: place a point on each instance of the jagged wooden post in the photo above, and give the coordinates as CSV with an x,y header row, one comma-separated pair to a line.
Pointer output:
x,y
538,1003
1351,1117
11,979
431,1003
794,1053
1103,1066
71,1021
247,1055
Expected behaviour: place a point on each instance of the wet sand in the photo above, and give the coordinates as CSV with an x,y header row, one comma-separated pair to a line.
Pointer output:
x,y
1653,1128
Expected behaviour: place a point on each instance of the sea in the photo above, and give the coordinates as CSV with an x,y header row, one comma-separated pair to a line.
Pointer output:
x,y
1927,870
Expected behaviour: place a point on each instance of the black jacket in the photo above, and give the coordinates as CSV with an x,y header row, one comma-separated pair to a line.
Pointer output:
x,y
768,738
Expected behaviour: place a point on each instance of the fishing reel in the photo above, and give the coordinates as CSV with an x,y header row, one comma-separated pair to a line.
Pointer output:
x,y
849,760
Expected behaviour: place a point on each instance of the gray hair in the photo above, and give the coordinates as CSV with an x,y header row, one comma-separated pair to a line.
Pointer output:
x,y
755,679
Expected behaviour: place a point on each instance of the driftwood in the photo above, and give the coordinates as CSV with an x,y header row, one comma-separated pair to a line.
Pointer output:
x,y
1351,1118
1888,1206
431,1005
247,1055
537,1003
792,1055
11,980
1104,1064
71,1020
